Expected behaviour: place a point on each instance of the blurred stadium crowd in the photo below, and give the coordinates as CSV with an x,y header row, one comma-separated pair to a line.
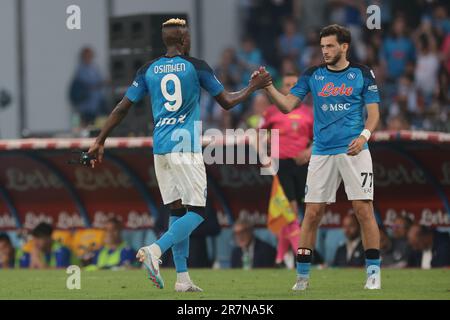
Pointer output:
x,y
410,56
403,244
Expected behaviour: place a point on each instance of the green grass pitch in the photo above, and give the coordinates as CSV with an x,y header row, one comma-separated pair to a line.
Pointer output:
x,y
265,284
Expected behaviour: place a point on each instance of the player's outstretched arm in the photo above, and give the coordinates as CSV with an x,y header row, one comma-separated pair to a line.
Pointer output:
x,y
116,116
284,103
228,100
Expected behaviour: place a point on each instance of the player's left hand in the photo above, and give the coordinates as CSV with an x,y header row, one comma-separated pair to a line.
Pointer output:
x,y
356,146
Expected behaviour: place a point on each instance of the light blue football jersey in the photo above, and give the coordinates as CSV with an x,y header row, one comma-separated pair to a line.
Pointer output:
x,y
174,86
339,99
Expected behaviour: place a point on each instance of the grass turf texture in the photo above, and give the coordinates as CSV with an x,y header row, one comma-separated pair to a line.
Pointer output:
x,y
226,284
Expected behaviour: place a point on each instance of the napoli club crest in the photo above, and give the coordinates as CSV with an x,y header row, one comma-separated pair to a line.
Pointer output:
x,y
351,76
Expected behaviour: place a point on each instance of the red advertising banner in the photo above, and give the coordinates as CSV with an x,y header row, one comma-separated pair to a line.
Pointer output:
x,y
411,177
36,192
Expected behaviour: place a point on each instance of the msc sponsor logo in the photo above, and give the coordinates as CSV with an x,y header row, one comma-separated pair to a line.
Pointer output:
x,y
171,121
336,106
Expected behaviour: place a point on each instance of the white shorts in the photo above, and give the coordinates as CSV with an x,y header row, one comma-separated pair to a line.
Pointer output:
x,y
181,176
326,172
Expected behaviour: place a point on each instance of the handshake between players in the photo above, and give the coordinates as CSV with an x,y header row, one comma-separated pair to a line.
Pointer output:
x,y
259,79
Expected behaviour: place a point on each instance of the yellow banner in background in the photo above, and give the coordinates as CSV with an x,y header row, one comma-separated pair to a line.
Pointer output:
x,y
280,212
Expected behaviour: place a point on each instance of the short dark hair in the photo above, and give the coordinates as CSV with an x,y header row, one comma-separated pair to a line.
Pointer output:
x,y
354,218
426,230
246,222
42,230
407,220
5,237
115,221
342,34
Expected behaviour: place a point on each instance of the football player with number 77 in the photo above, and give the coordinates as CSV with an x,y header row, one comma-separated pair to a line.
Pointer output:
x,y
340,90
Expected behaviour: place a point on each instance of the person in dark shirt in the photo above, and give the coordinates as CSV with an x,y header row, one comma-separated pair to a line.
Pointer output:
x,y
351,253
431,248
250,251
393,253
396,256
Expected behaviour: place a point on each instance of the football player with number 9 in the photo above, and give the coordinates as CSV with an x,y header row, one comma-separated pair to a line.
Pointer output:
x,y
173,82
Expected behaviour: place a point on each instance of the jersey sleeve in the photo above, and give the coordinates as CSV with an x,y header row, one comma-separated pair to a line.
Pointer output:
x,y
370,89
302,88
138,88
208,79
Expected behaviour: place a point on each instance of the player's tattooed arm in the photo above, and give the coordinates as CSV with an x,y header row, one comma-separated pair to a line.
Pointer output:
x,y
228,100
116,116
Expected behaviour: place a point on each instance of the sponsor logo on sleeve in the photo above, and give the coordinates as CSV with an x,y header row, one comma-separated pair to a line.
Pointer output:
x,y
373,88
